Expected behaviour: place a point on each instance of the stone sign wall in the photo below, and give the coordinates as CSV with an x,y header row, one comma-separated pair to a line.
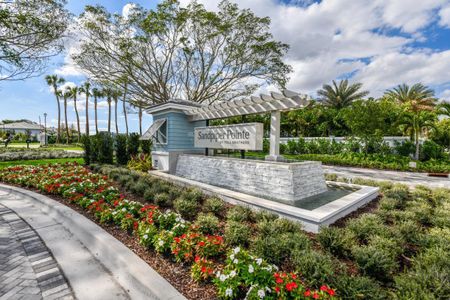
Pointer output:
x,y
286,182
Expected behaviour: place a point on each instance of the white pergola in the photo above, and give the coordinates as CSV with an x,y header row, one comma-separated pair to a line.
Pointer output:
x,y
274,103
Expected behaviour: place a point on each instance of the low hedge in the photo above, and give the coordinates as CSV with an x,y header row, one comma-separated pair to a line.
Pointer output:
x,y
31,154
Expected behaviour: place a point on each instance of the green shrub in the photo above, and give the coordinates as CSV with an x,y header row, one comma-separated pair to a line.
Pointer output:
x,y
423,212
278,226
358,287
207,223
86,141
337,241
133,144
237,233
388,204
141,162
431,150
122,156
105,148
265,215
399,192
149,195
331,177
194,195
214,205
162,199
146,146
277,248
124,179
428,278
437,238
409,231
378,259
174,193
314,266
366,226
441,216
140,187
186,207
239,213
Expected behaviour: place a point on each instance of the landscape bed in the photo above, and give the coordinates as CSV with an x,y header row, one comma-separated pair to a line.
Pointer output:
x,y
398,248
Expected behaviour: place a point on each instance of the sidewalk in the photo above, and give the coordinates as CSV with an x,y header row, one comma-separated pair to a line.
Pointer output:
x,y
96,265
408,178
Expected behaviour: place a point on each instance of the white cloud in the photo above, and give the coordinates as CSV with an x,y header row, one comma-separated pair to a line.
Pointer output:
x,y
128,9
444,15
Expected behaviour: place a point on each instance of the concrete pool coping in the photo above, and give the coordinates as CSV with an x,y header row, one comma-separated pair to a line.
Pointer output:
x,y
312,220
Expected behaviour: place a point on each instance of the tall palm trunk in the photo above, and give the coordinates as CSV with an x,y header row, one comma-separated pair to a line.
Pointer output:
x,y
77,115
124,109
109,113
95,111
416,133
116,102
58,133
87,113
140,120
65,119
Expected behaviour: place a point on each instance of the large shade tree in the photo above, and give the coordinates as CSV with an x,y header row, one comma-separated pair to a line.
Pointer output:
x,y
417,102
181,52
30,33
341,95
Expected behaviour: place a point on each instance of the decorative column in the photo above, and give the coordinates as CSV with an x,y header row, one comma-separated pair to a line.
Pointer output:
x,y
274,149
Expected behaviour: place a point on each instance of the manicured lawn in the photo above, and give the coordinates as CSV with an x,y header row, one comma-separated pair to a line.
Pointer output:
x,y
4,164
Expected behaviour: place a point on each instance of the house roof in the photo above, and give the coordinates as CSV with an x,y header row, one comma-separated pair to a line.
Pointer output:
x,y
20,125
176,104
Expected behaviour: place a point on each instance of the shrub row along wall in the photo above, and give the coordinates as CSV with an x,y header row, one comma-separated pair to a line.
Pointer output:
x,y
33,155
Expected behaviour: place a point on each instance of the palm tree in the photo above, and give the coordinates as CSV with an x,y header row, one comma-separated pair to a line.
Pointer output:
x,y
86,89
115,95
444,109
341,95
108,94
124,99
97,93
54,81
415,100
73,93
66,95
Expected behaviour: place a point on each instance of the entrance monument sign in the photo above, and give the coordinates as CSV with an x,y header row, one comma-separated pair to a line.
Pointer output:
x,y
241,136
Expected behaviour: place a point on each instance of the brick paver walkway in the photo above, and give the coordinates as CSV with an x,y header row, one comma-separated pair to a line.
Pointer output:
x,y
27,268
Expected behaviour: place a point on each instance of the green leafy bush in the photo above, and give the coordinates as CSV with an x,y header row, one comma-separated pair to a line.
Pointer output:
x,y
122,156
133,144
104,142
141,162
366,226
146,146
277,248
162,199
377,259
239,213
207,223
315,267
237,233
214,205
428,278
186,207
337,241
194,195
431,150
86,141
140,187
265,215
358,287
399,192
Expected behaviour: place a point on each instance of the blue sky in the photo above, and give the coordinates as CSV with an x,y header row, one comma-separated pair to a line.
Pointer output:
x,y
380,43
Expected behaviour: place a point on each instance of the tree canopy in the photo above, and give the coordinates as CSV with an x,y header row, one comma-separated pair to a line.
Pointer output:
x,y
181,52
30,33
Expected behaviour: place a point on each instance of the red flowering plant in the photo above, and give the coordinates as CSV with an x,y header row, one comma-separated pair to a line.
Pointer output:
x,y
210,246
289,286
149,213
97,207
183,247
124,208
129,223
325,292
202,269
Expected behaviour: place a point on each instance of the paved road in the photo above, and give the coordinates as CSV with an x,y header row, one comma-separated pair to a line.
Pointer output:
x,y
27,268
409,178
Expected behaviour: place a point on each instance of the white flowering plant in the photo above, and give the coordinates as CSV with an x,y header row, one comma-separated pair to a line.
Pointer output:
x,y
243,270
146,233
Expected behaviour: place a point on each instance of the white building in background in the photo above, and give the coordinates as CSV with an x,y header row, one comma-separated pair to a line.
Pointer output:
x,y
32,129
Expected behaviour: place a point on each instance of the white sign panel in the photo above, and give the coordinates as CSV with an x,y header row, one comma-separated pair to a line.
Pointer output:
x,y
240,136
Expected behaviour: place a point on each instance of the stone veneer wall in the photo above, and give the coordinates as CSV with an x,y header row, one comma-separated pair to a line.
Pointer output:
x,y
287,182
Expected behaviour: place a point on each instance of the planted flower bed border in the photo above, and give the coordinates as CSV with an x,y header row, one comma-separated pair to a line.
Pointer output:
x,y
234,272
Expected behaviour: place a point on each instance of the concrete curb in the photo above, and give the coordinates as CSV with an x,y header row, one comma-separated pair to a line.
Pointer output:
x,y
131,273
